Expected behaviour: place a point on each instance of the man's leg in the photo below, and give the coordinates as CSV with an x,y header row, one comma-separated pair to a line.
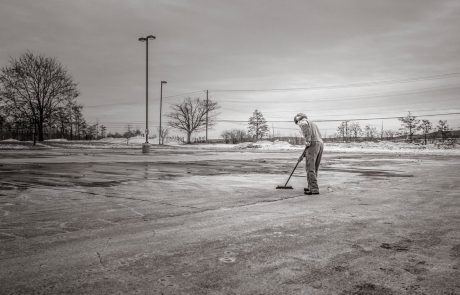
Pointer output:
x,y
308,188
318,159
312,154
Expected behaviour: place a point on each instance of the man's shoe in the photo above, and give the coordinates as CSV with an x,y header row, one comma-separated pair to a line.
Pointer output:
x,y
308,192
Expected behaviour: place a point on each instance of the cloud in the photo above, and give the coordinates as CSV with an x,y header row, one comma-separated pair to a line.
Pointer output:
x,y
209,44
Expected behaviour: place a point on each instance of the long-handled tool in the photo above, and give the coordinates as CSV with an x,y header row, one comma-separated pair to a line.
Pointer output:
x,y
285,186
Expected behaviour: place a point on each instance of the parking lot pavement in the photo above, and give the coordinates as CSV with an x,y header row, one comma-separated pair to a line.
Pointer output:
x,y
184,221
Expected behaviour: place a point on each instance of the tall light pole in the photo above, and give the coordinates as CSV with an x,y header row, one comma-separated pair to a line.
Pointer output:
x,y
146,146
160,134
207,109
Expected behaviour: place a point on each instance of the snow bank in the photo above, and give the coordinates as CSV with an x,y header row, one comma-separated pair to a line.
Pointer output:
x,y
259,145
56,140
123,140
354,147
267,145
10,140
389,147
13,147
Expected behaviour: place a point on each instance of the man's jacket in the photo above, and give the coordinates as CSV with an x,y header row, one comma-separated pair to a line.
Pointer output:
x,y
310,131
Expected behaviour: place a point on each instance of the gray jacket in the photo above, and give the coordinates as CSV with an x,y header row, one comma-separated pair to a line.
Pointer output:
x,y
310,131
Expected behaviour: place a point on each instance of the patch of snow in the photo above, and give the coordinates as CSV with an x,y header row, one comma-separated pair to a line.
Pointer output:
x,y
389,147
353,147
267,145
13,147
10,140
56,140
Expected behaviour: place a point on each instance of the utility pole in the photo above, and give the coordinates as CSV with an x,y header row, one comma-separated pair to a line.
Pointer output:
x,y
346,131
207,101
97,129
381,133
146,146
160,133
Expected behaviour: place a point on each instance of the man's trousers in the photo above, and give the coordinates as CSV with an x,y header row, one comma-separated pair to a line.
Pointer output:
x,y
313,159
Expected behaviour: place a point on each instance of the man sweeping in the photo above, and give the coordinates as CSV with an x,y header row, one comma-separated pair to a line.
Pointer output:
x,y
314,151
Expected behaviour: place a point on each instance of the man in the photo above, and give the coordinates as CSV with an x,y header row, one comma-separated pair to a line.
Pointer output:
x,y
314,144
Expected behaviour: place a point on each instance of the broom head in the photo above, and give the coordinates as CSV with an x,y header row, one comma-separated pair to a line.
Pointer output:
x,y
284,187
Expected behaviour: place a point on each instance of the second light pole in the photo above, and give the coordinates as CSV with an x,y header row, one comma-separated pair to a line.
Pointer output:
x,y
160,133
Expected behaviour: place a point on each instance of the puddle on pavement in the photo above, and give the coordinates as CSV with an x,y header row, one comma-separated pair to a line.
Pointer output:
x,y
399,246
369,172
115,173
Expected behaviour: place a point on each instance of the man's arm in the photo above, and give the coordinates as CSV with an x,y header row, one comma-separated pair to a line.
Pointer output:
x,y
306,130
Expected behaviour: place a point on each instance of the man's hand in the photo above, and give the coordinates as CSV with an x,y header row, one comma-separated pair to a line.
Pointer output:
x,y
307,143
301,157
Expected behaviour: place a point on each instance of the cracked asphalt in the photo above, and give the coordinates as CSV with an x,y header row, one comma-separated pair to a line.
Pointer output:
x,y
187,221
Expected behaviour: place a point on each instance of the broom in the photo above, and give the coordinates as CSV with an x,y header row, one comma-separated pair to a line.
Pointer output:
x,y
285,186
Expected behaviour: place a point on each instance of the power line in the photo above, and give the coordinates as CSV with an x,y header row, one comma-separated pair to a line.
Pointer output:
x,y
131,103
339,120
348,98
349,85
384,118
125,123
186,93
381,113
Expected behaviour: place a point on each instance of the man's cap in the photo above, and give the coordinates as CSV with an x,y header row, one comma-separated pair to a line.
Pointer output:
x,y
299,117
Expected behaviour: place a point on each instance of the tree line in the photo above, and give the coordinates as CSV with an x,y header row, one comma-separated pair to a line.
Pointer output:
x,y
410,128
38,99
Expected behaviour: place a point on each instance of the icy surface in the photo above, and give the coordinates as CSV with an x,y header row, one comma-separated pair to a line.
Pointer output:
x,y
209,221
134,143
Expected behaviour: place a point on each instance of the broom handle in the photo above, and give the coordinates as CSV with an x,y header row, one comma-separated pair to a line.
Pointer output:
x,y
304,151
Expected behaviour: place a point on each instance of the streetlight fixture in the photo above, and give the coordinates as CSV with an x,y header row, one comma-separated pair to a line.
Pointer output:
x,y
161,103
146,146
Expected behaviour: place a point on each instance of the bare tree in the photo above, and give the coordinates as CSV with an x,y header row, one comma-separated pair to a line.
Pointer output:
x,y
190,115
103,131
240,135
443,128
227,136
341,131
234,136
162,134
258,127
91,131
355,129
425,126
344,131
370,131
78,119
389,134
35,86
409,125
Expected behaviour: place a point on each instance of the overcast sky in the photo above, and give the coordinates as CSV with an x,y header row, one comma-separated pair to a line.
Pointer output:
x,y
249,45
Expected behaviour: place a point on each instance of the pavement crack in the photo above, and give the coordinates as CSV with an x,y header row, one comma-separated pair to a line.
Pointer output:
x,y
100,259
268,201
131,209
99,254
